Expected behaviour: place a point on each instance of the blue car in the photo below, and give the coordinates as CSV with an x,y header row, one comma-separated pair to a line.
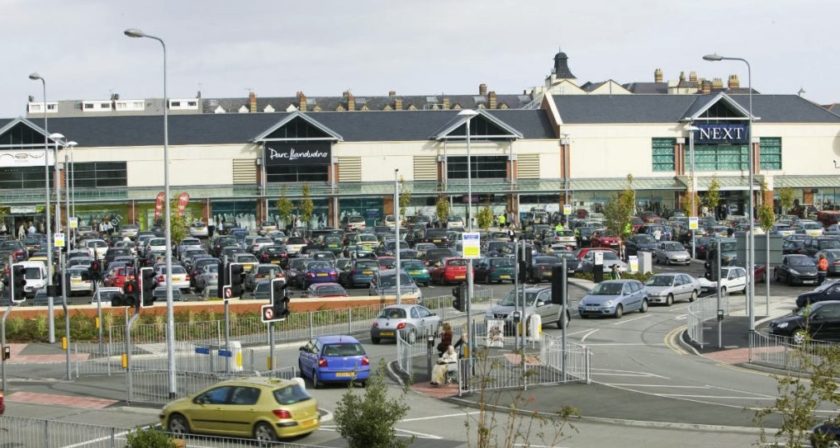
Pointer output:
x,y
614,298
334,359
360,273
319,271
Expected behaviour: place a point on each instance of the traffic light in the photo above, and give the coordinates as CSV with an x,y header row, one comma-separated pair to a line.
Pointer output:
x,y
222,280
279,298
557,279
119,299
18,283
236,279
278,288
130,293
460,294
147,287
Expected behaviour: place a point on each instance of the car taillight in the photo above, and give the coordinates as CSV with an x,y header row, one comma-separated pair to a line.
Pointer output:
x,y
187,277
310,274
322,362
160,278
282,413
375,325
401,325
365,361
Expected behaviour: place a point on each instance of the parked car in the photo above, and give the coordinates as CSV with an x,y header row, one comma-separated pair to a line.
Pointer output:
x,y
159,294
274,254
449,270
384,282
666,288
538,300
833,258
264,408
248,261
412,321
262,272
417,270
318,271
199,229
495,270
671,252
180,278
610,258
816,244
829,290
351,223
733,279
79,280
541,268
105,295
614,298
604,239
820,321
639,243
262,291
334,359
208,279
795,269
129,230
325,290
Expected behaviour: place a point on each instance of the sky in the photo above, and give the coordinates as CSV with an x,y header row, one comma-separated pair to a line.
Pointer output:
x,y
324,47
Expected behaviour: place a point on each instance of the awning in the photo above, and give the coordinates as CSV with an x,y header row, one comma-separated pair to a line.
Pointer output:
x,y
616,184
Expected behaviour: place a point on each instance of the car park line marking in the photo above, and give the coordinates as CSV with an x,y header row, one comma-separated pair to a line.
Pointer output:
x,y
578,332
681,317
633,319
713,397
591,332
414,433
434,417
669,386
119,435
624,344
612,372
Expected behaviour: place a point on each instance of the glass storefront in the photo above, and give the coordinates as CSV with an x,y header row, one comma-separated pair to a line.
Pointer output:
x,y
370,208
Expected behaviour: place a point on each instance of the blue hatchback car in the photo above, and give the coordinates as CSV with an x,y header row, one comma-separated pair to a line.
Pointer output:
x,y
334,359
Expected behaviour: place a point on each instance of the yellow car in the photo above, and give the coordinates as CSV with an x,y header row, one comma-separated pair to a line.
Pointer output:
x,y
266,409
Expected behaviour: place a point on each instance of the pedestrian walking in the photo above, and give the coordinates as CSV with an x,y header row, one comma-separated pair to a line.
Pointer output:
x,y
445,339
822,269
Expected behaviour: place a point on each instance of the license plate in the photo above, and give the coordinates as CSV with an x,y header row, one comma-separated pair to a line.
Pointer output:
x,y
415,272
310,422
805,282
322,274
386,333
275,261
367,272
504,277
591,307
436,241
344,374
460,277
76,282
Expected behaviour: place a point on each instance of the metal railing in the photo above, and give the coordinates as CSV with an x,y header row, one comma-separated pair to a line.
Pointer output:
x,y
781,353
700,311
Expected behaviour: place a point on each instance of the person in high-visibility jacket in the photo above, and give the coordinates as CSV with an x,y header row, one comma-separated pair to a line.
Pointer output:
x,y
559,227
822,269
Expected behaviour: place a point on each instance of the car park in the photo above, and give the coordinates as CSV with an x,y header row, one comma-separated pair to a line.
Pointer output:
x,y
411,321
159,294
820,321
274,254
494,270
833,258
325,291
449,270
105,295
610,258
294,245
733,279
265,409
360,273
208,279
417,270
614,298
263,272
79,280
796,269
129,231
248,261
666,288
334,359
640,243
538,301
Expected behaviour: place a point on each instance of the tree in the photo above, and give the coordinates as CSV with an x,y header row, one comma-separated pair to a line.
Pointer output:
x,y
370,421
3,212
619,211
307,207
713,195
284,206
766,217
485,217
177,223
786,199
687,203
442,209
405,197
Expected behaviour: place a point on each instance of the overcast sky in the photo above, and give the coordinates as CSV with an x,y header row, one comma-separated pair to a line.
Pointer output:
x,y
277,47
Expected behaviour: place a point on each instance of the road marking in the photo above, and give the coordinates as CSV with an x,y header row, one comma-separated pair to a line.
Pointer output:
x,y
634,319
414,433
659,385
119,435
712,397
578,332
681,317
670,340
588,334
433,417
623,344
611,372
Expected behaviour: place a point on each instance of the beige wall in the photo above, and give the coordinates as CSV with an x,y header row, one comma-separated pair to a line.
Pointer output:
x,y
806,148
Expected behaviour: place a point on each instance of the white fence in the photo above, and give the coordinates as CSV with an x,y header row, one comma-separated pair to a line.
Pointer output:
x,y
700,311
781,353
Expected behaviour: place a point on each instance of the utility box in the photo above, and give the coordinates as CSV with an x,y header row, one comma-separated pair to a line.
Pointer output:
x,y
645,262
761,242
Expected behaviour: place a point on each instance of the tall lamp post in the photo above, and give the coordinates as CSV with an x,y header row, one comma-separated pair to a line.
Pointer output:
x,y
469,114
751,238
170,314
50,310
691,129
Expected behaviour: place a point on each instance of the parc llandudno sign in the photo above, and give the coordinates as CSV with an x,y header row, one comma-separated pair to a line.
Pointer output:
x,y
720,133
297,153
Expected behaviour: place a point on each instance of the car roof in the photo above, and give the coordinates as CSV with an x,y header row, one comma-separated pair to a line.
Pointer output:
x,y
337,339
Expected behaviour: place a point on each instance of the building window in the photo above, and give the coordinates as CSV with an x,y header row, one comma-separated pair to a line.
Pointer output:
x,y
303,173
771,153
483,167
663,154
721,158
100,174
23,177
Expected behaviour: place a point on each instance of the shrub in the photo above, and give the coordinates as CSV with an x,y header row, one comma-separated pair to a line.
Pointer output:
x,y
148,438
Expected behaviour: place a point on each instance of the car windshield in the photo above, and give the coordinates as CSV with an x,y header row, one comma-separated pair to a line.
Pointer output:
x,y
246,259
510,298
800,261
296,241
671,246
727,247
547,260
329,290
501,262
412,264
660,280
390,281
456,262
392,313
290,395
607,289
367,265
345,349
319,265
33,273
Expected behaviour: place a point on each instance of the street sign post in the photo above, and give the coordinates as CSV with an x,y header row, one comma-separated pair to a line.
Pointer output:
x,y
58,240
471,245
693,223
567,209
73,223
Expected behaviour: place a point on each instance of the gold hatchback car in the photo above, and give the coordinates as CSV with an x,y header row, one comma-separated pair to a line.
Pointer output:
x,y
266,409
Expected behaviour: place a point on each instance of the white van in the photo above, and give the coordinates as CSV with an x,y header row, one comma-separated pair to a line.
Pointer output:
x,y
36,276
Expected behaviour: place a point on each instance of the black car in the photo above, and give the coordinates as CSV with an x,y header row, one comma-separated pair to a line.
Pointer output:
x,y
790,247
795,269
274,254
826,291
825,435
640,242
816,244
728,255
541,266
819,322
437,236
221,243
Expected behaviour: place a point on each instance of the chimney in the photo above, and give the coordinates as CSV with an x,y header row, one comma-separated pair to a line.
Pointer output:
x,y
392,93
252,101
717,83
657,75
398,105
482,89
734,83
351,100
692,76
446,103
301,101
491,100
682,77
706,87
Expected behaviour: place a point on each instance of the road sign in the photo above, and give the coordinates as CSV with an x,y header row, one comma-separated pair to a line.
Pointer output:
x,y
567,209
693,223
227,291
225,353
471,245
202,350
58,240
599,258
267,314
73,222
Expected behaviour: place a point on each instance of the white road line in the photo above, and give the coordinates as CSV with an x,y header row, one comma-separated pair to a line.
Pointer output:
x,y
633,320
627,373
588,334
578,332
658,385
95,441
721,397
420,434
434,417
681,317
607,344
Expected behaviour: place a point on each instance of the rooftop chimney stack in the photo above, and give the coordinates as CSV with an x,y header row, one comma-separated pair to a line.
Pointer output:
x,y
692,76
351,101
734,82
252,101
392,93
717,83
491,100
301,101
706,87
682,77
657,75
398,103
482,89
446,103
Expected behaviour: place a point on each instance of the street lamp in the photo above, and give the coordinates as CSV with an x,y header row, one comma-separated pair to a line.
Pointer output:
x,y
51,324
691,129
751,239
170,314
58,138
397,229
469,114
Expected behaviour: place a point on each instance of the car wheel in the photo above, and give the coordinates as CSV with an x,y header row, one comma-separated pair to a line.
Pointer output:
x,y
693,296
584,316
619,311
799,336
178,424
316,384
644,307
563,320
669,300
264,433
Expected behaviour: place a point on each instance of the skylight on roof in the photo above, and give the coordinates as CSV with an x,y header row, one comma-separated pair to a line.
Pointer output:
x,y
479,99
431,99
524,98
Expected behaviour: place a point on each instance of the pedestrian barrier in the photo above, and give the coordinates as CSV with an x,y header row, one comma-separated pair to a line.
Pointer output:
x,y
780,352
703,309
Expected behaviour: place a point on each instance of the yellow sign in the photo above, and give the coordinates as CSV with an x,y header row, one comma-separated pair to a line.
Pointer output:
x,y
471,245
693,223
58,239
73,223
567,209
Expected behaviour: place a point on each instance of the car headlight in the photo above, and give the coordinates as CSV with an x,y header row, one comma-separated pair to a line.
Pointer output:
x,y
782,325
794,272
609,303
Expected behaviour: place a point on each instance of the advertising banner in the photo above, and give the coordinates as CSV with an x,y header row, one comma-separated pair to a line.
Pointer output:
x,y
720,133
183,200
298,153
159,205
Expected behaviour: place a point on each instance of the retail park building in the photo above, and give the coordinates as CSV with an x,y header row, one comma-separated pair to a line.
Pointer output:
x,y
561,142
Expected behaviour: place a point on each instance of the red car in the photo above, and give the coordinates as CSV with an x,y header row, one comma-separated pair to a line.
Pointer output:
x,y
449,270
118,276
386,263
605,240
2,405
583,251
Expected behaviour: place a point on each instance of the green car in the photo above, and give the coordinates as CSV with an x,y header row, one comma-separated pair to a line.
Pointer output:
x,y
334,244
417,271
495,270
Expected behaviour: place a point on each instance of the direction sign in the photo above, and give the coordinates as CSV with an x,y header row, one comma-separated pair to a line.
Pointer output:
x,y
471,246
58,240
693,223
567,209
599,258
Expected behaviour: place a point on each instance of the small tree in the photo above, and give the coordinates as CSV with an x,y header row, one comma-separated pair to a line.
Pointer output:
x,y
177,223
442,209
369,421
307,207
713,195
405,197
687,204
148,438
786,199
619,211
485,218
284,206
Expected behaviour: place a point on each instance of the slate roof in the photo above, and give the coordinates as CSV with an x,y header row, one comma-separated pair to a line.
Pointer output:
x,y
206,129
595,109
647,87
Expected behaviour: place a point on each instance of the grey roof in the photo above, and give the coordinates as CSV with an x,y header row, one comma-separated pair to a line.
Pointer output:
x,y
647,87
673,108
197,129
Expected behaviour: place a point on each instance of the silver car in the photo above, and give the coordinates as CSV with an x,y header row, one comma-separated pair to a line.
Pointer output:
x,y
668,287
537,301
671,252
385,283
614,298
208,281
412,321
